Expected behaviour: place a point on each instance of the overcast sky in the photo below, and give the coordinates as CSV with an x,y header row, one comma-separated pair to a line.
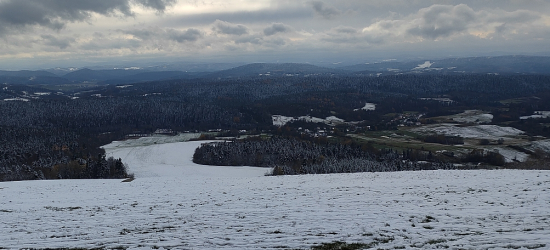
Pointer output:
x,y
51,33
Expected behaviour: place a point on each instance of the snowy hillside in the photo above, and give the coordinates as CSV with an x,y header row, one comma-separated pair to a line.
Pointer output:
x,y
176,204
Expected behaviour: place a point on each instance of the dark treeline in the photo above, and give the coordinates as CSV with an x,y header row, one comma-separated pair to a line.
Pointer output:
x,y
289,156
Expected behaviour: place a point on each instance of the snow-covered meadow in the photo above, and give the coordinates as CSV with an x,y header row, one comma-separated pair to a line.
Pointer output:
x,y
176,204
492,132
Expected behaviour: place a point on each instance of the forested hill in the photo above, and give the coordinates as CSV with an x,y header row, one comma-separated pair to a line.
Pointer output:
x,y
506,65
276,69
43,132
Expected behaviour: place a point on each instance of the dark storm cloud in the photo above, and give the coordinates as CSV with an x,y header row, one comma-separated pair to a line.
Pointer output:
x,y
222,27
22,13
326,12
54,14
276,28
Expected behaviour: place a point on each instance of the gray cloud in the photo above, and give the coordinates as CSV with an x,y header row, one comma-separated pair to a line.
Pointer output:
x,y
325,11
222,27
159,35
448,21
158,5
276,28
519,16
249,39
261,16
348,35
190,35
345,30
143,34
61,43
443,20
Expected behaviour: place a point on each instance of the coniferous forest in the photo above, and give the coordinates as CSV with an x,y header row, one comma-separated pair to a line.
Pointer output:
x,y
59,135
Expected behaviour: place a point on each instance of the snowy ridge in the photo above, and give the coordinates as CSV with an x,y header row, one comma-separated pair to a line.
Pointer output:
x,y
176,204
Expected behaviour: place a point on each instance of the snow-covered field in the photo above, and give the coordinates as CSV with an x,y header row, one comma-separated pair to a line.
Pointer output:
x,y
510,155
176,204
280,120
538,114
368,106
479,131
473,116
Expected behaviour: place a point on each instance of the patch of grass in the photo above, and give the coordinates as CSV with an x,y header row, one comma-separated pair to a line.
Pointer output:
x,y
436,241
62,208
428,219
535,246
384,240
72,248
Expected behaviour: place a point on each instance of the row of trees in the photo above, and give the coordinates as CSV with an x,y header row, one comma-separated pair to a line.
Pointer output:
x,y
288,156
92,168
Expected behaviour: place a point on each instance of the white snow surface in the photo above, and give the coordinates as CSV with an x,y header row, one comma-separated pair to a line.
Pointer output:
x,y
368,106
16,99
473,116
280,120
174,203
538,114
425,65
477,131
510,155
124,86
542,144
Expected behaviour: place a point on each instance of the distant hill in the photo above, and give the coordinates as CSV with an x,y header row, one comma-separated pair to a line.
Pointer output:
x,y
275,69
26,73
118,76
99,75
33,80
470,65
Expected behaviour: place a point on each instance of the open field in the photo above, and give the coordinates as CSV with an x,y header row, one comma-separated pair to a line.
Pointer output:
x,y
175,204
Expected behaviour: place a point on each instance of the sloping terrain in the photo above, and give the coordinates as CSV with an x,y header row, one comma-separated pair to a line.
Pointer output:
x,y
174,203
